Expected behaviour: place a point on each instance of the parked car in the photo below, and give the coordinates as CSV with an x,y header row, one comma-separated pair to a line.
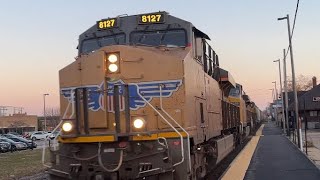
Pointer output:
x,y
15,133
53,135
5,147
14,145
27,135
39,135
29,143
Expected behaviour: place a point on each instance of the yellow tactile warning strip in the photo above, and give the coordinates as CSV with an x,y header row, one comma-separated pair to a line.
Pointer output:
x,y
237,169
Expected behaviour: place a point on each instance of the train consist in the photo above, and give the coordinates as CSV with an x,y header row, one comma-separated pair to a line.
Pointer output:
x,y
146,99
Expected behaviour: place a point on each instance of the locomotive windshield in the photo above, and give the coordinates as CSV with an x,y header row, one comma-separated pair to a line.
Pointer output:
x,y
169,38
234,92
153,29
94,44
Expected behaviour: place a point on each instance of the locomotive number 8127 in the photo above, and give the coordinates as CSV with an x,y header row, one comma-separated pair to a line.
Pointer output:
x,y
146,99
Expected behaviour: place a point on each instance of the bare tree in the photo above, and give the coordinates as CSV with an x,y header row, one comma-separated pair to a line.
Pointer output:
x,y
303,83
53,116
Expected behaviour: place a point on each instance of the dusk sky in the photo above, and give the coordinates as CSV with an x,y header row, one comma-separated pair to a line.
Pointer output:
x,y
38,38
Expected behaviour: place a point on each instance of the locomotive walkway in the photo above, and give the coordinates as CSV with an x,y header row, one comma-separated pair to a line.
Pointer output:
x,y
270,155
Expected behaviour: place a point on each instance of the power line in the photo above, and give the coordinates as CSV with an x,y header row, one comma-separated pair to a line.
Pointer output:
x,y
294,24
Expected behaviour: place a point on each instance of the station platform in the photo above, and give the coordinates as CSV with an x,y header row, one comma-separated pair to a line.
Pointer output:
x,y
271,156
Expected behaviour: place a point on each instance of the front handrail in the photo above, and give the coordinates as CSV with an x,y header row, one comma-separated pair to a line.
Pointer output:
x,y
188,136
181,137
54,130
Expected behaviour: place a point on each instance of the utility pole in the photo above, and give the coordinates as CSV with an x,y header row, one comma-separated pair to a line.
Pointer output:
x,y
298,122
276,101
286,90
283,119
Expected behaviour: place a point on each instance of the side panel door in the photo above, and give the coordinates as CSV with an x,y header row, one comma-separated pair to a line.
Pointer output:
x,y
201,118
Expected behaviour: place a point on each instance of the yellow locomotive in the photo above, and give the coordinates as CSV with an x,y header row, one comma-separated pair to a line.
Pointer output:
x,y
145,99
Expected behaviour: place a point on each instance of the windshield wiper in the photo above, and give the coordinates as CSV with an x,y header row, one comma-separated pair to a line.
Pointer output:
x,y
164,34
97,40
116,40
142,35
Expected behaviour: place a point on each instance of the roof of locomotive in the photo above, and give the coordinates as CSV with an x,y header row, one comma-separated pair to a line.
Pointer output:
x,y
127,24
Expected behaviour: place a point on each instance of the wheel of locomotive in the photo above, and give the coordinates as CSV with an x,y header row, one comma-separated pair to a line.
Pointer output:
x,y
202,170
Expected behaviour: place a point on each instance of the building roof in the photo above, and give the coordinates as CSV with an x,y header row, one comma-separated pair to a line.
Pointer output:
x,y
291,97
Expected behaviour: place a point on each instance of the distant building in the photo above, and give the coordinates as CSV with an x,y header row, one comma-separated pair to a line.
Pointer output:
x,y
51,122
18,123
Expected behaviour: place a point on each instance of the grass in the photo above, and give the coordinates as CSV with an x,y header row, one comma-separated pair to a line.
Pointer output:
x,y
21,163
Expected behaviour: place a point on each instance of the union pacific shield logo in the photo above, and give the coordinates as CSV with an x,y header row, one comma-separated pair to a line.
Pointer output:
x,y
148,90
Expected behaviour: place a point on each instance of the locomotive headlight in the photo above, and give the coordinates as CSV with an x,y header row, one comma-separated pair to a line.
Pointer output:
x,y
67,127
113,62
113,67
112,58
138,123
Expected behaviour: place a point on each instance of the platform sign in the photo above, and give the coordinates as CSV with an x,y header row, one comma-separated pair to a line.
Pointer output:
x,y
315,99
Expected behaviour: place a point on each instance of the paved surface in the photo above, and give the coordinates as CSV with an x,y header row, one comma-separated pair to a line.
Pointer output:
x,y
45,143
313,136
276,158
314,154
237,169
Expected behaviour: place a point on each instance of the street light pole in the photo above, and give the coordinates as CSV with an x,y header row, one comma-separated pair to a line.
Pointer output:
x,y
298,123
283,119
275,88
286,90
276,101
272,93
44,111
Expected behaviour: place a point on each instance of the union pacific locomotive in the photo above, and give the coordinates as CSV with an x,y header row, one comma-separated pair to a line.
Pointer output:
x,y
146,99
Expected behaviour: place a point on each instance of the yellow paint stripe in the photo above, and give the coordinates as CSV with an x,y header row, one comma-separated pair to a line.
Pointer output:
x,y
144,138
87,139
233,99
90,139
155,136
237,169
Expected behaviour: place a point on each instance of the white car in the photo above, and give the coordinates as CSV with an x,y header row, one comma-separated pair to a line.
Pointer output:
x,y
39,135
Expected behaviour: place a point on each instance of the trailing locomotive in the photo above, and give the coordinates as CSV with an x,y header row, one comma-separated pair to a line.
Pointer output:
x,y
145,99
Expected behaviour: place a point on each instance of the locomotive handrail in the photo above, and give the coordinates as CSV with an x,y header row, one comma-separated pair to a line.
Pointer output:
x,y
73,106
54,130
175,129
188,136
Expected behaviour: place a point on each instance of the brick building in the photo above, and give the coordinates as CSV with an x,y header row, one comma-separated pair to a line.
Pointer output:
x,y
18,123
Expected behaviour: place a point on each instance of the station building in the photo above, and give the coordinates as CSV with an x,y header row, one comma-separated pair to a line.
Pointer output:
x,y
18,123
